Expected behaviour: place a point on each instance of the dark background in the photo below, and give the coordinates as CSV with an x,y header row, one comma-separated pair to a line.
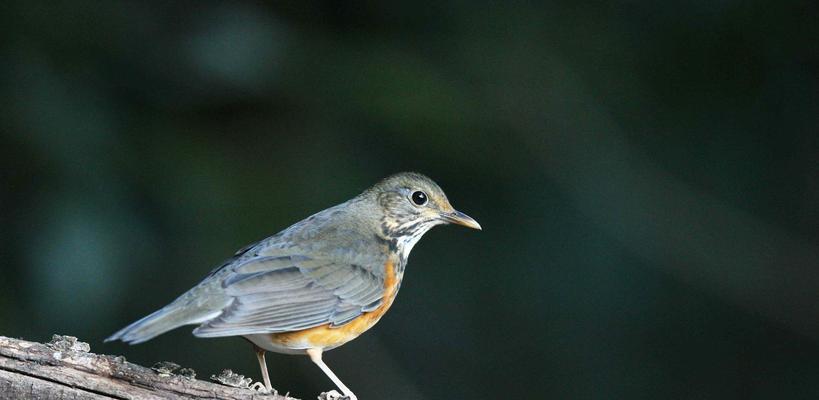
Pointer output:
x,y
645,172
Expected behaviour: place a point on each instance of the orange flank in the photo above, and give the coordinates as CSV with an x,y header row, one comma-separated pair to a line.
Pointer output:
x,y
327,337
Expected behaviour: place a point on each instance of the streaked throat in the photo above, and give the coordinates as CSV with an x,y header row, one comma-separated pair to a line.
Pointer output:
x,y
407,236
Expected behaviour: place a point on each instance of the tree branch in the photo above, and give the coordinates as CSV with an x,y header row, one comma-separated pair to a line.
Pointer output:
x,y
64,369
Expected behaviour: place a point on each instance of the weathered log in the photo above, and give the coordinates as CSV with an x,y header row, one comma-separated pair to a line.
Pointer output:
x,y
65,369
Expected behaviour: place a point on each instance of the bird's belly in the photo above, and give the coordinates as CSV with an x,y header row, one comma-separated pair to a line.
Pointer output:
x,y
264,341
324,337
327,337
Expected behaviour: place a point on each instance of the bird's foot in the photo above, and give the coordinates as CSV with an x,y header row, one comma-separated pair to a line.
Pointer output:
x,y
335,395
261,388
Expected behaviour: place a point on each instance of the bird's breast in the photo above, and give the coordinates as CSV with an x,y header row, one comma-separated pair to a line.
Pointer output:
x,y
328,336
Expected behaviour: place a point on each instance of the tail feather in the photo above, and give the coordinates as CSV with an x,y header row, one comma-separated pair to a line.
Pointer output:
x,y
163,320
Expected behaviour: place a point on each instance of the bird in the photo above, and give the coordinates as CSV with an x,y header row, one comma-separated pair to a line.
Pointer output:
x,y
316,285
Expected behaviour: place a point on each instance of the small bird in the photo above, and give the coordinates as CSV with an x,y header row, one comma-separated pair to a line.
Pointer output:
x,y
316,285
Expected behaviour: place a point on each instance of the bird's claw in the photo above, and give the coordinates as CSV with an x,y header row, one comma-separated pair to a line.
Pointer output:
x,y
335,395
331,395
260,387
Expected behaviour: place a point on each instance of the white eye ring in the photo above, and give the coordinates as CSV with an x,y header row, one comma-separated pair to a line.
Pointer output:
x,y
419,198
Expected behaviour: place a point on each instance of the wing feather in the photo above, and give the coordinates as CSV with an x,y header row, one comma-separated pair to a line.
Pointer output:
x,y
273,294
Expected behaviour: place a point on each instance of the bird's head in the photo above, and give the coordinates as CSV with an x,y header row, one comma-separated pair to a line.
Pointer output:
x,y
411,204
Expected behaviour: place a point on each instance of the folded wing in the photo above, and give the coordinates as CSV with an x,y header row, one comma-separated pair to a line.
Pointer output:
x,y
272,294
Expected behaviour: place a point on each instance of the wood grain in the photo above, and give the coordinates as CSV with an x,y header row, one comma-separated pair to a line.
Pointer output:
x,y
65,369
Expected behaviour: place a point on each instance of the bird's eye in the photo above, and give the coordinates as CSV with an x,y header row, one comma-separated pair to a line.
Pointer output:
x,y
419,198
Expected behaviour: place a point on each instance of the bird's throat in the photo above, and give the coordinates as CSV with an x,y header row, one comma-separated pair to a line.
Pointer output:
x,y
407,240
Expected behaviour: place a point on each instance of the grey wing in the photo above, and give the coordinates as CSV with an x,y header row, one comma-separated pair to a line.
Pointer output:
x,y
287,293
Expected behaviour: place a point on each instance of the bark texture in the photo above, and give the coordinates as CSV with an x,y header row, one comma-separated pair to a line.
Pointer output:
x,y
65,369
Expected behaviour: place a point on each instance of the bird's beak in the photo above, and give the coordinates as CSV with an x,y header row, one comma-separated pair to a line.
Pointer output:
x,y
457,217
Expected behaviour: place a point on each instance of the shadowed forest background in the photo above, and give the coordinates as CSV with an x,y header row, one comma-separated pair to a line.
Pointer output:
x,y
645,173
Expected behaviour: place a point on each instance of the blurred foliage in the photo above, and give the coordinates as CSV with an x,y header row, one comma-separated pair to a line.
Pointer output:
x,y
646,174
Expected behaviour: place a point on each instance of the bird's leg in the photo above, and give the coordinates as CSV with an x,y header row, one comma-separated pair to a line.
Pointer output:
x,y
315,355
263,365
